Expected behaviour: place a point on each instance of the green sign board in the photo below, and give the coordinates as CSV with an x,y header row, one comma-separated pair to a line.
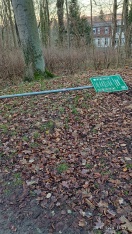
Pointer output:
x,y
112,83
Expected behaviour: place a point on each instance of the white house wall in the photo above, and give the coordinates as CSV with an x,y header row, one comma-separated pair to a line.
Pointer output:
x,y
101,42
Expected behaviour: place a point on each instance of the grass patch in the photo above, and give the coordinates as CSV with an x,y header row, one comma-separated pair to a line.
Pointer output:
x,y
62,168
34,145
36,135
4,128
25,138
17,179
89,166
48,126
74,111
66,121
129,165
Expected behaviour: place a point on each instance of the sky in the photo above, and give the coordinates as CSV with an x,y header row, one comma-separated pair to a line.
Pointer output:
x,y
106,6
85,6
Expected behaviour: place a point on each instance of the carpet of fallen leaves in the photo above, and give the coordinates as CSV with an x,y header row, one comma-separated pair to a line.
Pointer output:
x,y
65,160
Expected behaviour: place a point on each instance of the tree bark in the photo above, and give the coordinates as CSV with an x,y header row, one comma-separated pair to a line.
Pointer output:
x,y
127,29
45,22
60,13
68,25
114,22
29,37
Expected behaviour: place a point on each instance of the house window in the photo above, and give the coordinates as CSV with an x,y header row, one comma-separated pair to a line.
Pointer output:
x,y
106,30
122,41
116,42
98,41
94,30
106,41
98,30
118,29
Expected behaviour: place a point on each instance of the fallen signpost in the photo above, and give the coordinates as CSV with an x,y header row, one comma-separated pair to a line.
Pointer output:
x,y
112,83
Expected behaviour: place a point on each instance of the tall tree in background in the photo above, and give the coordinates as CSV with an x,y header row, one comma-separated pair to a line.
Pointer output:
x,y
8,32
60,15
127,28
68,25
29,37
74,16
45,22
7,4
79,27
114,19
130,29
101,15
91,21
130,14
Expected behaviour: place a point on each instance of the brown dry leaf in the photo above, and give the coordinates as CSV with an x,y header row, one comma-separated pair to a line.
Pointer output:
x,y
31,182
123,145
129,106
98,126
97,175
63,212
80,111
128,159
64,183
121,201
23,161
31,160
84,162
102,204
111,212
82,223
84,171
126,224
57,139
13,228
48,195
99,224
117,182
27,151
82,213
86,184
125,169
89,203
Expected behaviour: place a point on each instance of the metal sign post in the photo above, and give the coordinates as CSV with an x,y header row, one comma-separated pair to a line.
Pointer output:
x,y
112,83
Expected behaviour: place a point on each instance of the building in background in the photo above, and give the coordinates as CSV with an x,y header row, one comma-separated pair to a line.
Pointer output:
x,y
102,31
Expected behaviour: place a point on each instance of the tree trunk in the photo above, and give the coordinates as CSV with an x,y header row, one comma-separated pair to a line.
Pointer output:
x,y
114,22
29,37
60,13
127,29
11,23
68,25
48,21
91,22
120,40
45,22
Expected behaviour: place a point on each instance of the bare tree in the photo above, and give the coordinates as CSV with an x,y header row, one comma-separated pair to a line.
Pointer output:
x,y
60,15
29,37
44,22
68,25
127,29
114,21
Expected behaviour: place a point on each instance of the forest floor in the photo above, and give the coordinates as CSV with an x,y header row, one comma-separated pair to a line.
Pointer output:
x,y
65,159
